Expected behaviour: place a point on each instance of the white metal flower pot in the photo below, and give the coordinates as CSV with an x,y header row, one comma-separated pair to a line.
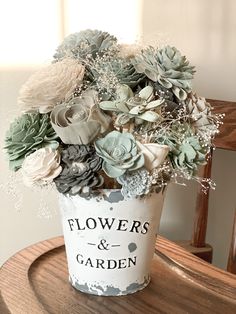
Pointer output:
x,y
110,241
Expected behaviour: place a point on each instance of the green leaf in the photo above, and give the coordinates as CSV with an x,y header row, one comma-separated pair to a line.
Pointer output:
x,y
108,105
146,93
154,104
150,116
121,106
122,119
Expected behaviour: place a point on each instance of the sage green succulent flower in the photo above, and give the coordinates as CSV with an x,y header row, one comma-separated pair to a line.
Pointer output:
x,y
168,67
85,43
187,150
140,107
119,153
27,134
191,154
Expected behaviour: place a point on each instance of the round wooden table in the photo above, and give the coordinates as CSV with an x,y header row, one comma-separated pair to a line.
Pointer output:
x,y
35,281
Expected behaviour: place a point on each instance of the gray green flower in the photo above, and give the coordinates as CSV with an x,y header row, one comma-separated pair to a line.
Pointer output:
x,y
191,154
119,153
135,183
187,150
140,107
167,67
87,43
80,167
27,134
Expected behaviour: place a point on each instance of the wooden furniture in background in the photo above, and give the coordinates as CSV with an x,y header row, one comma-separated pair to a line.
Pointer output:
x,y
35,281
226,139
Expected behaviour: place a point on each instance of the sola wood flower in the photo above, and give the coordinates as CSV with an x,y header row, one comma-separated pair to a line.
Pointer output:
x,y
28,133
135,183
87,43
119,153
129,106
81,120
168,67
192,154
41,167
50,86
154,154
80,170
202,118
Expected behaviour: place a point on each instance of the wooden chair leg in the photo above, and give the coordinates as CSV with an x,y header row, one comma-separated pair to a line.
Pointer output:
x,y
231,266
197,245
201,217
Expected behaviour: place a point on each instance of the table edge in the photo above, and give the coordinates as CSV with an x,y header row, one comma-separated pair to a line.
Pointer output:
x,y
204,274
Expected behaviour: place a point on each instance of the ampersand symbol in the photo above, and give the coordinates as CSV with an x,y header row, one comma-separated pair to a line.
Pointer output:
x,y
103,245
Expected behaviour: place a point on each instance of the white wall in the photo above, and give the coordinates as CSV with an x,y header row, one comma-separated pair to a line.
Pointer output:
x,y
32,222
204,31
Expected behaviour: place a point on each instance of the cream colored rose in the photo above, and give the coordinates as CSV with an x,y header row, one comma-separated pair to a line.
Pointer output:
x,y
154,154
41,167
50,86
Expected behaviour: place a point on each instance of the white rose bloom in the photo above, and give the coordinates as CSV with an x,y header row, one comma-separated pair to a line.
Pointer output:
x,y
50,86
154,154
41,167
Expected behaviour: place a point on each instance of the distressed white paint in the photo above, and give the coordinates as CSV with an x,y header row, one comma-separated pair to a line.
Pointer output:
x,y
100,280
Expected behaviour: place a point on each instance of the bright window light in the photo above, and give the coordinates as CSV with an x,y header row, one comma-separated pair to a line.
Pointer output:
x,y
29,31
121,18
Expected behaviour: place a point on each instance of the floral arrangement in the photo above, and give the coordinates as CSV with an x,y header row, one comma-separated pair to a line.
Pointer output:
x,y
107,115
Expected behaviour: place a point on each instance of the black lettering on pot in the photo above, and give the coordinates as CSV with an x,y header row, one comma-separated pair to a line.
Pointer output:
x,y
145,227
122,225
78,225
136,225
79,258
106,223
100,263
111,264
70,221
89,262
106,264
132,260
122,263
91,223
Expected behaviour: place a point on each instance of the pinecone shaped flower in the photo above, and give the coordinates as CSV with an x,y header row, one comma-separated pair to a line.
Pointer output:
x,y
167,67
200,111
80,166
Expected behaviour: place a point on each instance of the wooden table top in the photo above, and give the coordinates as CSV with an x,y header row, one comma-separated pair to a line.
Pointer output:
x,y
35,281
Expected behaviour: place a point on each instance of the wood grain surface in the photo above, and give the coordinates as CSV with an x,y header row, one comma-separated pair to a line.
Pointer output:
x,y
231,265
35,281
226,139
